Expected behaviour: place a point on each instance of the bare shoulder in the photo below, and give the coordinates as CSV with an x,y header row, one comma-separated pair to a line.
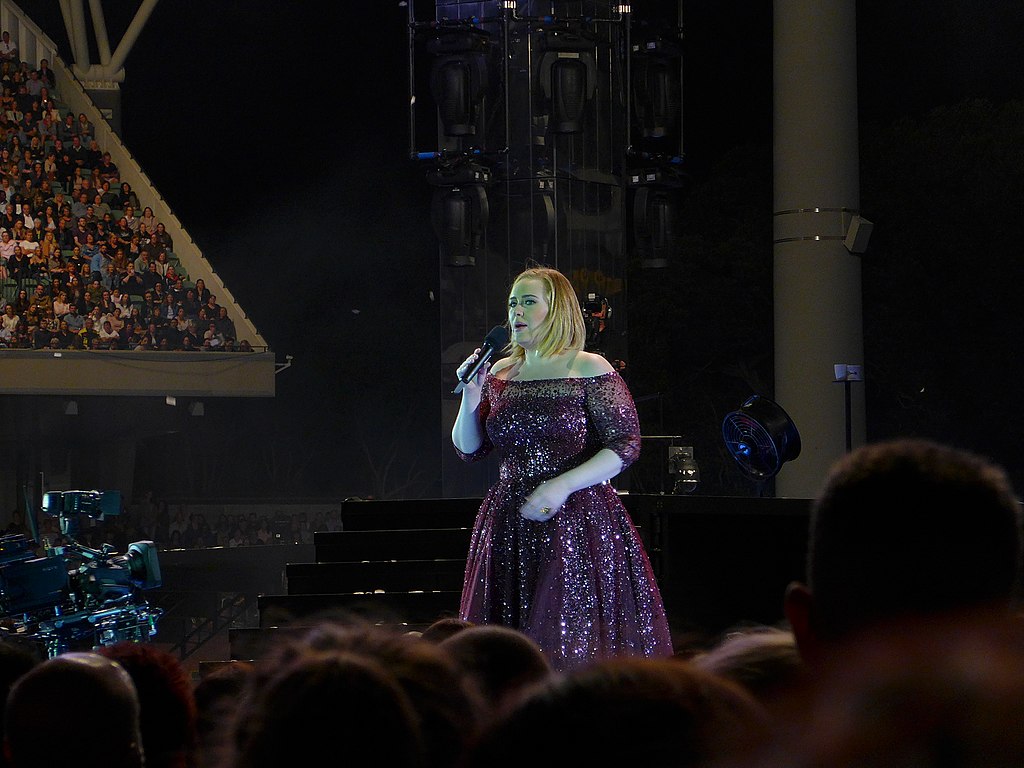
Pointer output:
x,y
502,365
588,364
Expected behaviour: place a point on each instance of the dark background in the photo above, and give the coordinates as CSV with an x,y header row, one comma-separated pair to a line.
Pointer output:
x,y
279,135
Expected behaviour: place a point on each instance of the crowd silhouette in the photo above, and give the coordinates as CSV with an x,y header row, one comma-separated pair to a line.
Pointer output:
x,y
901,647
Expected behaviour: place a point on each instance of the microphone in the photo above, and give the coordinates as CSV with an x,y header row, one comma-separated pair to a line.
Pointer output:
x,y
493,341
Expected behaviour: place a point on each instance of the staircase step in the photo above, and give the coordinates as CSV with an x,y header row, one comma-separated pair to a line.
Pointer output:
x,y
398,544
392,514
377,607
370,576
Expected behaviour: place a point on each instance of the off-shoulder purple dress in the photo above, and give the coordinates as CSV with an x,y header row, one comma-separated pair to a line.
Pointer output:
x,y
579,584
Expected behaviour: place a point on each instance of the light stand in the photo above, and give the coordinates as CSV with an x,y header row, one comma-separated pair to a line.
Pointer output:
x,y
847,374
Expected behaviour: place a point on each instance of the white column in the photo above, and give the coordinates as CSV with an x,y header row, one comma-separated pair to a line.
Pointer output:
x,y
817,302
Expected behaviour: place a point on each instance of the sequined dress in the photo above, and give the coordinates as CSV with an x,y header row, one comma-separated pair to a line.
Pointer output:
x,y
580,584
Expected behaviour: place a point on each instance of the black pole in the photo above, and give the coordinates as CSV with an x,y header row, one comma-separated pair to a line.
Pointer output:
x,y
849,417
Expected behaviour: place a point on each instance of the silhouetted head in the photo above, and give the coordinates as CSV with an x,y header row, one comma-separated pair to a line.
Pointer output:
x,y
906,528
77,709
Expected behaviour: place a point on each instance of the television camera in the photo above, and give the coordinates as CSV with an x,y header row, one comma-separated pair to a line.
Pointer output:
x,y
75,597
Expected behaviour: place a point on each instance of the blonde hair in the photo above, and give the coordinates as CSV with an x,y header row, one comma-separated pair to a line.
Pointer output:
x,y
563,328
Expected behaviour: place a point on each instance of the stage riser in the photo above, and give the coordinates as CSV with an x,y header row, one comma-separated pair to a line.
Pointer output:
x,y
402,575
408,544
389,608
720,562
408,513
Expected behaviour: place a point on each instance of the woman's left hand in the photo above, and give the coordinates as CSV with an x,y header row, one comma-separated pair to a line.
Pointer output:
x,y
545,501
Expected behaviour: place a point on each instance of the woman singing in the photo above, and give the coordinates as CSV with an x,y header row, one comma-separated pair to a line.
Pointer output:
x,y
553,551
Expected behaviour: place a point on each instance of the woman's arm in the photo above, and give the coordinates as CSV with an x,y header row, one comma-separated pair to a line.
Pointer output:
x,y
552,494
468,432
468,435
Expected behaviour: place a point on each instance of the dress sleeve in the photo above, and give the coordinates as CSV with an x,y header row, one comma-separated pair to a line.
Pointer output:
x,y
485,408
613,416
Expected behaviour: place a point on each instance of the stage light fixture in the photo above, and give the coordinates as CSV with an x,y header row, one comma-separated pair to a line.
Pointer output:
x,y
459,212
567,76
657,90
658,190
459,78
655,213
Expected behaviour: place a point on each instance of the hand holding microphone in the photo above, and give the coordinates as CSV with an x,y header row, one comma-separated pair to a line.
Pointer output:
x,y
495,340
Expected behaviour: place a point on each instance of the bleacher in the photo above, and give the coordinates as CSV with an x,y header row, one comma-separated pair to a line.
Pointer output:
x,y
245,368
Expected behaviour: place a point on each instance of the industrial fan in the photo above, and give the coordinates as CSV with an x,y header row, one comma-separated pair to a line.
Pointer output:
x,y
761,437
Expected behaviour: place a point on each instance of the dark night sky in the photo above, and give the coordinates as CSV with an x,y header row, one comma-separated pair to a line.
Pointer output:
x,y
319,224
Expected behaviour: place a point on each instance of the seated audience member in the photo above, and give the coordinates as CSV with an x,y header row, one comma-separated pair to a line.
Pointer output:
x,y
763,659
190,336
74,318
447,710
163,237
22,337
137,339
225,325
128,198
132,282
85,128
212,337
321,702
15,660
167,706
151,249
108,169
150,277
88,337
212,308
190,304
148,218
939,693
64,337
217,694
626,711
502,663
42,335
104,731
9,321
442,628
108,337
41,299
904,529
17,265
175,338
8,48
202,292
